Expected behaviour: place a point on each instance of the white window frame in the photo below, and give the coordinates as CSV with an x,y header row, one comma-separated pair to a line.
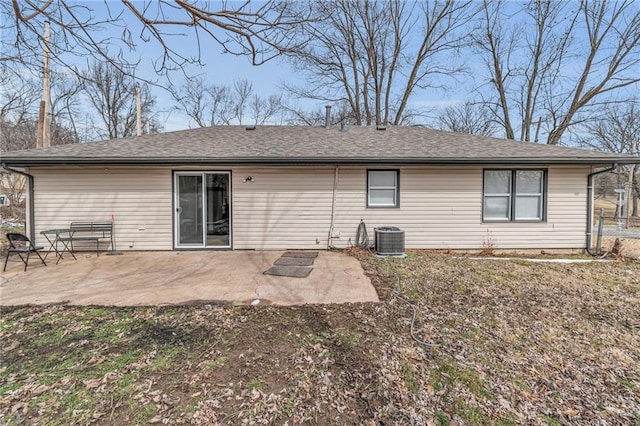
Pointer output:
x,y
395,188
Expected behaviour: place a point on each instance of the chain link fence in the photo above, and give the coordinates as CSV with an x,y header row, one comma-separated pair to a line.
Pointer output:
x,y
617,221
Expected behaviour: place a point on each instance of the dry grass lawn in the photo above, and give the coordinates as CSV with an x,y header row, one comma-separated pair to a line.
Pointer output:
x,y
509,342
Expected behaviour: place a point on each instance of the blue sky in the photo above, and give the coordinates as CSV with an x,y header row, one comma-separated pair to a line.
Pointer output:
x,y
225,69
220,68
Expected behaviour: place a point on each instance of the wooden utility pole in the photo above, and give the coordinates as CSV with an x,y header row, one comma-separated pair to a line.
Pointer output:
x,y
538,129
46,91
40,124
43,138
138,110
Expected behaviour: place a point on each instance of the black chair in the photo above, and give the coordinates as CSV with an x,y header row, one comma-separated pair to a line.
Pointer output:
x,y
20,245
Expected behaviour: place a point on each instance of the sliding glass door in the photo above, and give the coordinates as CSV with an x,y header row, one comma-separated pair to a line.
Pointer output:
x,y
202,210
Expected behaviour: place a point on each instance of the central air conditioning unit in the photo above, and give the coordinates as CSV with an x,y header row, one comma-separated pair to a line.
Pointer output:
x,y
389,241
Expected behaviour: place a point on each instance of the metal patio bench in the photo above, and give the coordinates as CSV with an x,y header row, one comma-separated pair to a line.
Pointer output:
x,y
93,232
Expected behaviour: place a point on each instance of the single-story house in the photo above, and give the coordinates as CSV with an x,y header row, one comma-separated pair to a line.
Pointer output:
x,y
274,187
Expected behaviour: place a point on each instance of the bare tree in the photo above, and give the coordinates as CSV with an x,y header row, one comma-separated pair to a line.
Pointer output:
x,y
261,109
18,94
375,55
19,97
109,31
112,94
611,63
212,105
66,110
618,131
468,118
202,103
550,63
18,135
242,90
340,114
12,186
22,134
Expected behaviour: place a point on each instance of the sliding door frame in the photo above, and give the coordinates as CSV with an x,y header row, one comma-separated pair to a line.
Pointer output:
x,y
203,206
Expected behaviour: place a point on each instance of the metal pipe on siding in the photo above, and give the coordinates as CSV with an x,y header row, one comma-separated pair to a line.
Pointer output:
x,y
333,208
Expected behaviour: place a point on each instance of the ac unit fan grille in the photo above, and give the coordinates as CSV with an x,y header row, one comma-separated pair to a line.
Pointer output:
x,y
389,241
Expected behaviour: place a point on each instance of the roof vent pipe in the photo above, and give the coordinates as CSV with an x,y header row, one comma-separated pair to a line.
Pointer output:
x,y
327,117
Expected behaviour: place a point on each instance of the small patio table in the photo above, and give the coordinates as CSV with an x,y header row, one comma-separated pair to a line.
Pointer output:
x,y
62,236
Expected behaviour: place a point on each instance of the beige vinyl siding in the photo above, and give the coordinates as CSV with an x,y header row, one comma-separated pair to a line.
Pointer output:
x,y
441,208
290,207
140,200
283,208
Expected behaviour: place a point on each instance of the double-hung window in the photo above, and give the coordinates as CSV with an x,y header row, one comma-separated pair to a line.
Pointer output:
x,y
514,195
383,188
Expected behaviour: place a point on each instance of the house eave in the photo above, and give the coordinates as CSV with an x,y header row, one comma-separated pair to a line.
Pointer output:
x,y
149,161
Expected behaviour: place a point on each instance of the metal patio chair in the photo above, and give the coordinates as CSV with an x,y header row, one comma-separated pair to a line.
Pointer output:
x,y
20,244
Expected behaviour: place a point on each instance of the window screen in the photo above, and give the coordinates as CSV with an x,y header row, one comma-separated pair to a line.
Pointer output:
x,y
382,188
513,195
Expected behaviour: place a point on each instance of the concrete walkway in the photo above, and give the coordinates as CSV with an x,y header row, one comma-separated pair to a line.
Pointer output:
x,y
166,278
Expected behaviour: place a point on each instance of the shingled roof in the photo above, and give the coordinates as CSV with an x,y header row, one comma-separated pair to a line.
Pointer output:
x,y
310,145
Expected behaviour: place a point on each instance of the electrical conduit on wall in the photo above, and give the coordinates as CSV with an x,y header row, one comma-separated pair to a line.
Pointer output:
x,y
333,209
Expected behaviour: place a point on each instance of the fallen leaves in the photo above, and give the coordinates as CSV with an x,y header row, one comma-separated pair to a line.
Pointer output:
x,y
519,343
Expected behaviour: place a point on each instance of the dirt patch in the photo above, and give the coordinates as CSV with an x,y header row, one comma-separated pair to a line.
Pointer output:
x,y
501,342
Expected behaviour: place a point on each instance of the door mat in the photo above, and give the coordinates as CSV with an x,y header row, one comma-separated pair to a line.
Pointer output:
x,y
294,261
289,271
302,254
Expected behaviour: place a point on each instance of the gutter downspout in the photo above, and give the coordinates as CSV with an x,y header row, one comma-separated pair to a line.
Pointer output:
x,y
32,225
589,234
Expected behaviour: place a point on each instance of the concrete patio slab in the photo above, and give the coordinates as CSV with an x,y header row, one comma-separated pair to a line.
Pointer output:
x,y
169,278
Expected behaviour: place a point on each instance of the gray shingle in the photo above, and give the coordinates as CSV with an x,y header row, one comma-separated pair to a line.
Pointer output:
x,y
279,144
